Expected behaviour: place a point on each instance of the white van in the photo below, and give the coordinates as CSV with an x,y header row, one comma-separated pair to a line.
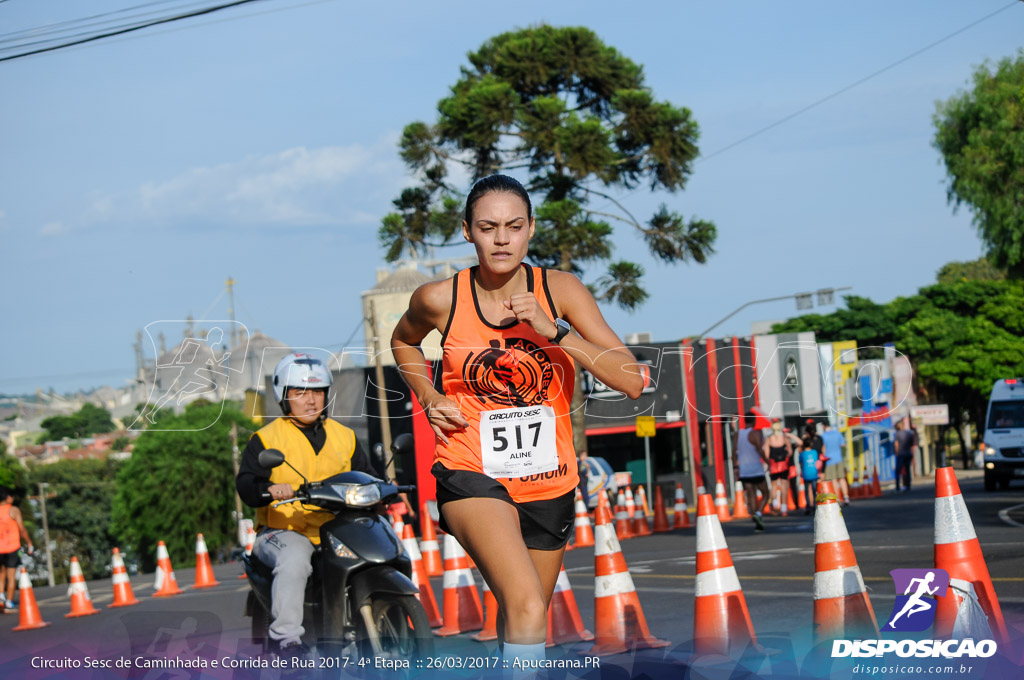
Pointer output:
x,y
1004,434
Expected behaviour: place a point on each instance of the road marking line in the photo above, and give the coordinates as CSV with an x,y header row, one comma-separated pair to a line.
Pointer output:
x,y
1005,515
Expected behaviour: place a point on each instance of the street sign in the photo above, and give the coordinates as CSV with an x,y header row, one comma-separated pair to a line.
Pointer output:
x,y
930,414
645,426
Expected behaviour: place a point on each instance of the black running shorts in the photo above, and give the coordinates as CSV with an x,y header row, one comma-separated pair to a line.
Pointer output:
x,y
9,559
545,525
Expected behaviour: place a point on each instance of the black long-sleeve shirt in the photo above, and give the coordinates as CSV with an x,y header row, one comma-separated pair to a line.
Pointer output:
x,y
253,481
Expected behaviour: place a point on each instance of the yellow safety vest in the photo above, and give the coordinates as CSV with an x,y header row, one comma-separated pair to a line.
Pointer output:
x,y
334,457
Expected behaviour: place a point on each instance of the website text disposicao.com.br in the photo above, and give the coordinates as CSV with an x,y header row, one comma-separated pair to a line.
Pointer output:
x,y
910,657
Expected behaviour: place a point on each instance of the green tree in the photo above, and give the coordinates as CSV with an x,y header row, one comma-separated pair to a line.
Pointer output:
x,y
87,421
980,134
178,482
981,269
576,117
79,497
12,474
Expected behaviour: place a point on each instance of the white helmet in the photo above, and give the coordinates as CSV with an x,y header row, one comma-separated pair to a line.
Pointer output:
x,y
299,369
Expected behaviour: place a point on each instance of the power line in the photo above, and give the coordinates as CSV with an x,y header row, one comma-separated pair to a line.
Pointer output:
x,y
75,23
129,29
859,82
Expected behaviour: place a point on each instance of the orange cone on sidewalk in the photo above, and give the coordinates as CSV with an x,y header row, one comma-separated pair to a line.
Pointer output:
x,y
641,500
958,551
876,486
618,619
630,504
81,603
842,608
462,610
739,507
490,629
722,503
28,611
204,570
123,595
420,578
564,621
660,516
681,518
584,533
721,618
801,492
165,584
429,548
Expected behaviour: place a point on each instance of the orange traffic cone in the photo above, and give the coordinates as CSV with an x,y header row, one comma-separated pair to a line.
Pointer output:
x,y
420,578
701,491
81,603
722,503
204,570
680,518
429,548
876,486
640,525
584,533
623,523
739,507
165,583
630,504
490,629
397,524
958,551
618,618
564,621
841,605
28,611
462,610
123,595
641,502
250,541
721,618
660,516
801,492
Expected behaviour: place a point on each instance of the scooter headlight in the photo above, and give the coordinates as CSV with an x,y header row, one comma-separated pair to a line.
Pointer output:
x,y
358,495
989,451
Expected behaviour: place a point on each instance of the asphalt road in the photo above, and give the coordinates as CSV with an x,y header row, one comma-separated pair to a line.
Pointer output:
x,y
775,569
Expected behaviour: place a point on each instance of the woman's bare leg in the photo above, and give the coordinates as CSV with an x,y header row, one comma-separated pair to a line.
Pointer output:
x,y
521,580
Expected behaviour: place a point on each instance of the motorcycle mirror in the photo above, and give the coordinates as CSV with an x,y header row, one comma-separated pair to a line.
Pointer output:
x,y
270,458
403,444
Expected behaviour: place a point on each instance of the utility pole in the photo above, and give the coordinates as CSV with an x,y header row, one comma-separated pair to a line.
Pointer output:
x,y
385,424
231,310
46,533
235,459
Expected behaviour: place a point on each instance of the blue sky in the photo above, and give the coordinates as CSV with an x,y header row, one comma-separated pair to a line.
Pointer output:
x,y
138,173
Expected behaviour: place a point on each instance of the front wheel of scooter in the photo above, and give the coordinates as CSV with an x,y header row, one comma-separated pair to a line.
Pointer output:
x,y
402,627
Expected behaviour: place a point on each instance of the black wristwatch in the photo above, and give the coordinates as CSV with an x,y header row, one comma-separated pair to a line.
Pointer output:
x,y
562,329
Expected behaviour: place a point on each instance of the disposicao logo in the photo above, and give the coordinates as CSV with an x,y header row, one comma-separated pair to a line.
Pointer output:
x,y
915,608
915,611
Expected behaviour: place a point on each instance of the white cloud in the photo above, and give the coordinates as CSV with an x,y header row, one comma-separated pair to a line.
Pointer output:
x,y
55,228
295,187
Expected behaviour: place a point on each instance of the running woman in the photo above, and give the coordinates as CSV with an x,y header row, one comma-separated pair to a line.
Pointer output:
x,y
504,460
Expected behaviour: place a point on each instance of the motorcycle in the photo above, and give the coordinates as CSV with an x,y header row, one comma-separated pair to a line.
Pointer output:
x,y
360,600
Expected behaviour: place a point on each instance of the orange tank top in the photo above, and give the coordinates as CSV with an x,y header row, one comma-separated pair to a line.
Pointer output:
x,y
515,389
10,538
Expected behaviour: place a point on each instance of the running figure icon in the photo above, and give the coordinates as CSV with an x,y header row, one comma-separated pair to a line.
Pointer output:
x,y
916,603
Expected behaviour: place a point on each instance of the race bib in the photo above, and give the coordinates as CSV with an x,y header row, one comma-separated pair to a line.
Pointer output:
x,y
516,442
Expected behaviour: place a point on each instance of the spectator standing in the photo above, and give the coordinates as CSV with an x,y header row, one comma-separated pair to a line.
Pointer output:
x,y
810,459
906,445
835,466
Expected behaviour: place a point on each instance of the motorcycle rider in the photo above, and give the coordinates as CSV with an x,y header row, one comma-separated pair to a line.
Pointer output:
x,y
317,447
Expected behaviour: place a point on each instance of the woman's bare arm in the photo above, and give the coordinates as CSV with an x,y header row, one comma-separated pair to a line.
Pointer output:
x,y
429,309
